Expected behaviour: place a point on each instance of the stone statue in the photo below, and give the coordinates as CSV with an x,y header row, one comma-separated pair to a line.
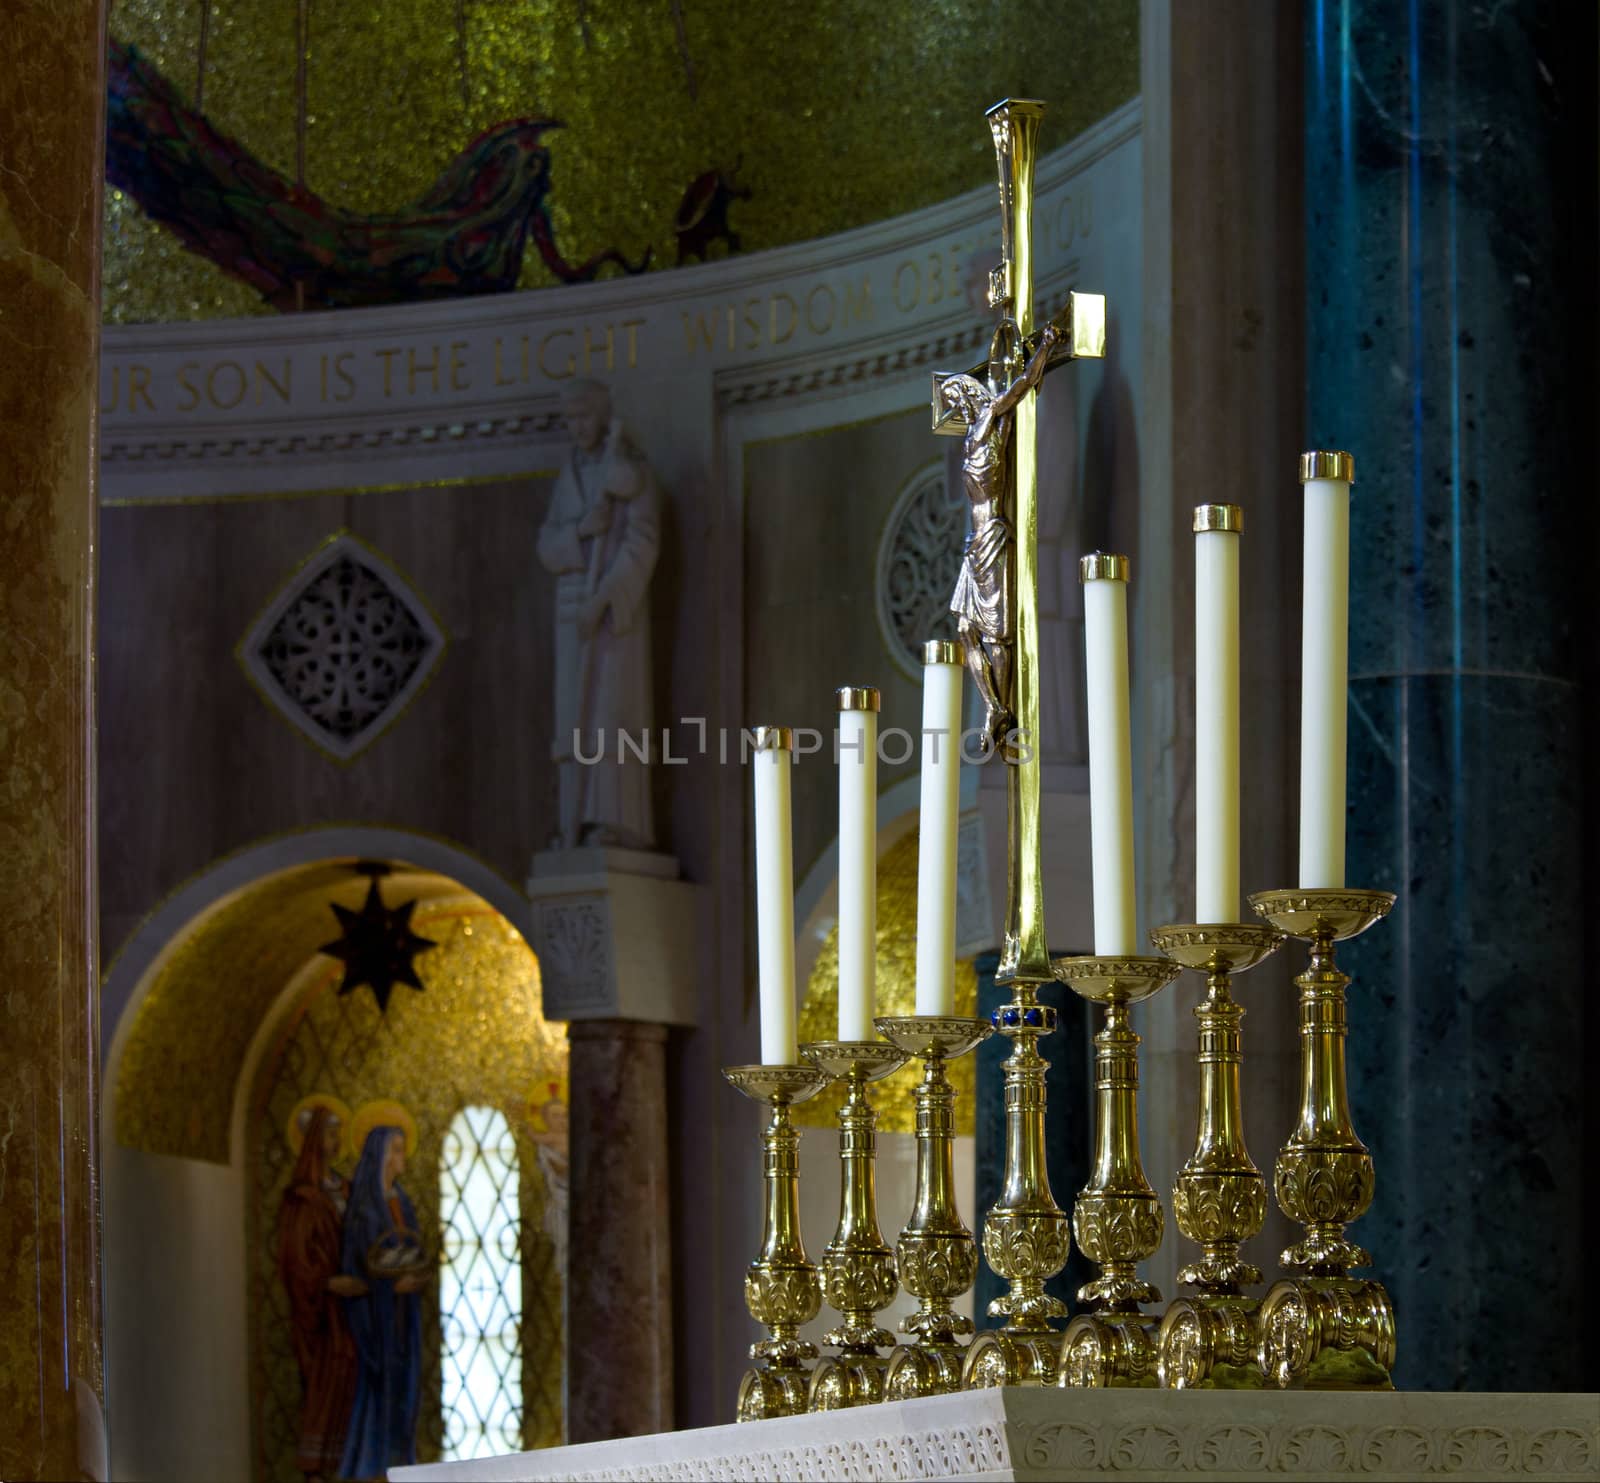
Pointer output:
x,y
600,540
982,601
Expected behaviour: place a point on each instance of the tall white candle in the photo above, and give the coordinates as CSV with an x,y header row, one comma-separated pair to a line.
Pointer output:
x,y
858,860
937,824
1216,722
1324,655
1105,632
774,756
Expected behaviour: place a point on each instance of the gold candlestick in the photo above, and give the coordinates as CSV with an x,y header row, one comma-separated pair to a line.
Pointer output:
x,y
937,1257
858,1276
781,1288
1322,1328
1117,1217
1025,1235
1220,1199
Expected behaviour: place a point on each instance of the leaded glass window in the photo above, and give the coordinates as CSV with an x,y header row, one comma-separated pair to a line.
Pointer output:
x,y
480,1286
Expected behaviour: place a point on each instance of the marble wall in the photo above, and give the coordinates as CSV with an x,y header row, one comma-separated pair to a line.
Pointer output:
x,y
1450,157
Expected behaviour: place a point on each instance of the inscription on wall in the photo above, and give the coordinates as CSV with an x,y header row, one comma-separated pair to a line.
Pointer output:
x,y
876,296
469,388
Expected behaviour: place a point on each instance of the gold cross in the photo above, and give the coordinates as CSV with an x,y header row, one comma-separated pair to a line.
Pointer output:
x,y
1025,956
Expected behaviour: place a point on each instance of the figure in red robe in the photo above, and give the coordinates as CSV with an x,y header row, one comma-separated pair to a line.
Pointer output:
x,y
310,1231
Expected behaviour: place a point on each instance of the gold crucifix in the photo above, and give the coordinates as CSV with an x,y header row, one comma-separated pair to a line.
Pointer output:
x,y
996,601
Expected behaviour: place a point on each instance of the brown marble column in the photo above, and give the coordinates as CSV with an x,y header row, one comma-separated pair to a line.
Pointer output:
x,y
619,1275
52,103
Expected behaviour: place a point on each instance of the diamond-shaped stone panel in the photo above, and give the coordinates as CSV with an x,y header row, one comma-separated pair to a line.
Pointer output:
x,y
343,646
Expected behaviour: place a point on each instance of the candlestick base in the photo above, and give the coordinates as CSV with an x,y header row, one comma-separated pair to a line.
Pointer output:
x,y
1001,1357
936,1255
1102,1350
781,1286
1220,1198
858,1273
1321,1328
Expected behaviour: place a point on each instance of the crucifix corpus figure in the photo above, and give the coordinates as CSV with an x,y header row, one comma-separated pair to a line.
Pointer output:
x,y
983,602
600,540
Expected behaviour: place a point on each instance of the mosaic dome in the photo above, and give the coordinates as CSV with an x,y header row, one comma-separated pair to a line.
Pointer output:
x,y
687,128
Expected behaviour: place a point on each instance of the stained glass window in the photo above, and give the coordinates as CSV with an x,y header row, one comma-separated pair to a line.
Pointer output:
x,y
480,1286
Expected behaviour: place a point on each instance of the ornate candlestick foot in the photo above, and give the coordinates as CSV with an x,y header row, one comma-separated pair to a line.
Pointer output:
x,y
1025,1235
1322,1328
781,1287
1220,1198
858,1276
1117,1217
936,1255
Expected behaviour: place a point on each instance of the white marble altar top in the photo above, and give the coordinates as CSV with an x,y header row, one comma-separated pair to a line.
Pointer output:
x,y
1131,1434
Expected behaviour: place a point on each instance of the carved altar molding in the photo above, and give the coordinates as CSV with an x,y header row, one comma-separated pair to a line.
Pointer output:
x,y
1128,1434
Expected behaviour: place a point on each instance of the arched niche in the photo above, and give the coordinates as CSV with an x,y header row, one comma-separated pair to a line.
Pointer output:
x,y
234,1020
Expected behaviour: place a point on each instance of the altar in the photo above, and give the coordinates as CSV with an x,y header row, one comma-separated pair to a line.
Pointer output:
x,y
1024,1433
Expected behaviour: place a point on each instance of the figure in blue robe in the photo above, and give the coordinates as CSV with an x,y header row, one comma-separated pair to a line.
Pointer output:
x,y
380,1238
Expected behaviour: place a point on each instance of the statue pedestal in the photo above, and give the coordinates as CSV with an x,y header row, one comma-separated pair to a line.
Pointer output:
x,y
1021,1433
615,934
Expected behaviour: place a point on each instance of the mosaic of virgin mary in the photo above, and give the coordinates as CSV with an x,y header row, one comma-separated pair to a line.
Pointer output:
x,y
381,1249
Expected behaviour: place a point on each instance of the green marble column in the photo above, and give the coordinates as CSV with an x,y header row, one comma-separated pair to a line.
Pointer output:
x,y
1450,221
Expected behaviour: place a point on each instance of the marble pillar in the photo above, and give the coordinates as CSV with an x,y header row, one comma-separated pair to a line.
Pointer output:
x,y
1450,211
52,107
619,1274
1222,418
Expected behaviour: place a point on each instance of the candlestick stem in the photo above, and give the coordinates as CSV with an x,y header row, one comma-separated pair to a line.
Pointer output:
x,y
936,1255
858,1274
1220,1199
1025,1235
1117,1217
781,1287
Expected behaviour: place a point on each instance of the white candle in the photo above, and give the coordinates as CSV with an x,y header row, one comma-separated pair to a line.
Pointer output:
x,y
773,758
937,824
1324,664
1216,695
858,860
1105,632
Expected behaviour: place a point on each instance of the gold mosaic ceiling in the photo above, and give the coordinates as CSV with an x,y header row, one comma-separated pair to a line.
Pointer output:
x,y
837,113
191,1032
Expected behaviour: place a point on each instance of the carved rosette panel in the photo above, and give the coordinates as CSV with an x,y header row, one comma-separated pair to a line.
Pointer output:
x,y
1210,1447
1117,1228
1317,1186
782,1297
940,1267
